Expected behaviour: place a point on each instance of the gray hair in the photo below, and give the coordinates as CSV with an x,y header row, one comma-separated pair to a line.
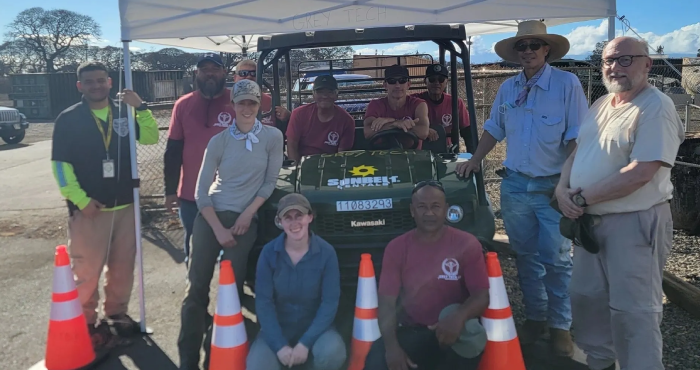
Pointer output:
x,y
247,62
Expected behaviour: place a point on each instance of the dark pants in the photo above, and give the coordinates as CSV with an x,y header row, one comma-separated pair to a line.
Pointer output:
x,y
188,211
195,319
420,345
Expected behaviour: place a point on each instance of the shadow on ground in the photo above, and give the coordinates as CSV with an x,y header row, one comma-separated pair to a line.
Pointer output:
x,y
143,354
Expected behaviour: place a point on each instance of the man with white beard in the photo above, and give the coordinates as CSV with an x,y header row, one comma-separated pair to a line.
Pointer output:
x,y
616,186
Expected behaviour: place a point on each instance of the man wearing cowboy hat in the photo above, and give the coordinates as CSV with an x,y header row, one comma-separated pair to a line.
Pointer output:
x,y
539,111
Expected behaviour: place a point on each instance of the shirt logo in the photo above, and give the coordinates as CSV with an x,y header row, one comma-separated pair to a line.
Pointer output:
x,y
446,120
450,267
121,126
223,120
332,138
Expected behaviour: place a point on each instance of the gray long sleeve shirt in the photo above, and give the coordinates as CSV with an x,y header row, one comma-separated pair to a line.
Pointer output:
x,y
242,175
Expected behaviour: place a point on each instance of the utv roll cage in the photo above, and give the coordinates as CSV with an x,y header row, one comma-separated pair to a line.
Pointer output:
x,y
447,37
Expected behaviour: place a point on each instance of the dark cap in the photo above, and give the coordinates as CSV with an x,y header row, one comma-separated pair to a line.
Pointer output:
x,y
325,82
396,71
211,57
293,201
436,69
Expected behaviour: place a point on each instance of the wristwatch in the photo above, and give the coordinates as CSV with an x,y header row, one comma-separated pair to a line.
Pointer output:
x,y
579,200
143,106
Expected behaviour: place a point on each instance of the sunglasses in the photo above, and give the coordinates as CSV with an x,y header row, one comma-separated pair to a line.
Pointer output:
x,y
393,81
433,79
533,46
246,73
424,183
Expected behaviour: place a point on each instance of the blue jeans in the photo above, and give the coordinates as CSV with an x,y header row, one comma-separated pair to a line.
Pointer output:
x,y
543,255
328,353
188,212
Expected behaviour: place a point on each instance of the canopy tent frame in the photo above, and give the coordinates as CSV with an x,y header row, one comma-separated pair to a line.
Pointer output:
x,y
172,22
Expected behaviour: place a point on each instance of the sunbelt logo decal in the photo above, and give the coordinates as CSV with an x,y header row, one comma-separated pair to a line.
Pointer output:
x,y
363,176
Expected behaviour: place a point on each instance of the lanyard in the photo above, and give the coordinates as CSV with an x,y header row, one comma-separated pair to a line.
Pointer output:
x,y
106,139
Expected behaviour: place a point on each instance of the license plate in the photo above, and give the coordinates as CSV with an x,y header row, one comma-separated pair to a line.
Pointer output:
x,y
363,205
16,126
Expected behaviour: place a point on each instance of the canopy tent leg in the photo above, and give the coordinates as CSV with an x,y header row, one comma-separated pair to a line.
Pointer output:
x,y
135,179
611,28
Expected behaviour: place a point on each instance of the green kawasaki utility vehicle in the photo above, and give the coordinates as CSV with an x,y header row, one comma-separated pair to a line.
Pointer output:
x,y
361,197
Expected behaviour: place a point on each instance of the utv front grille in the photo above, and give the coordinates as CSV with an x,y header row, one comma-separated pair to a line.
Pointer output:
x,y
364,223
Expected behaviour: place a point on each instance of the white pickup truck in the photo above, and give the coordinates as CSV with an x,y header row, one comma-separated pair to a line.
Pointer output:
x,y
13,125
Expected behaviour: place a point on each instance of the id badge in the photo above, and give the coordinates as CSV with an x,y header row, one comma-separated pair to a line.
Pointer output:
x,y
108,169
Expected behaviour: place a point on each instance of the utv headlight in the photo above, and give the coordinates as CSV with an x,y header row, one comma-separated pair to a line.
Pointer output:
x,y
278,224
455,214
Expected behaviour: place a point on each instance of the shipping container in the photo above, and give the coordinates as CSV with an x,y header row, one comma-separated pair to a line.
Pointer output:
x,y
46,95
376,64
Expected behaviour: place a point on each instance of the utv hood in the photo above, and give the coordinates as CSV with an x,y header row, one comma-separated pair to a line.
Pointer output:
x,y
376,171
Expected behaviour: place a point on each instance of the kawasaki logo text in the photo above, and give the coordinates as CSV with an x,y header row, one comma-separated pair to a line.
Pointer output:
x,y
367,223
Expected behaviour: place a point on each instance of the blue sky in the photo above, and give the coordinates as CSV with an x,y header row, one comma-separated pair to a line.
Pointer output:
x,y
677,27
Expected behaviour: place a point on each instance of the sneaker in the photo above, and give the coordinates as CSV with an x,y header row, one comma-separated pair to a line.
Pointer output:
x,y
124,325
103,338
531,331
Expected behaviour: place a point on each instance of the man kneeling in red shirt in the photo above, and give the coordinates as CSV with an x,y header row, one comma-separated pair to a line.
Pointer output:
x,y
424,271
322,126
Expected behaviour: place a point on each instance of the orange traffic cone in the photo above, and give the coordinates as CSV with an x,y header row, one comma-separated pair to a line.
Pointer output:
x,y
68,346
229,343
502,350
365,327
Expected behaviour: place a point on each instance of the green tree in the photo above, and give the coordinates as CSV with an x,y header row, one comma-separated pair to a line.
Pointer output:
x,y
51,34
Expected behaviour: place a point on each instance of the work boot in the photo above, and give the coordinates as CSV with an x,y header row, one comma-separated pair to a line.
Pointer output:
x,y
531,331
561,342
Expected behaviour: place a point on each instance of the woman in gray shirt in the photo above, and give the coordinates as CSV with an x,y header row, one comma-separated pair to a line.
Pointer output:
x,y
238,174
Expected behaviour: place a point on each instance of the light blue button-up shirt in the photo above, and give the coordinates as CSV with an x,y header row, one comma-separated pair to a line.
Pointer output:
x,y
538,131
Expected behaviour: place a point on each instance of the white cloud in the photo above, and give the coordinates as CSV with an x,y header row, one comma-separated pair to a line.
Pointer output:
x,y
685,40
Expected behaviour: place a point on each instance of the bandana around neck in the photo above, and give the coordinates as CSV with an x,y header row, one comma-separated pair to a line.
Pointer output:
x,y
522,96
250,138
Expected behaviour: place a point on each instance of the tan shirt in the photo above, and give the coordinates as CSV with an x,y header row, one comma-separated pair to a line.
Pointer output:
x,y
644,130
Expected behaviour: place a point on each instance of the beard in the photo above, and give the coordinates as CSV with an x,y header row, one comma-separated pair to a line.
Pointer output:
x,y
210,86
628,84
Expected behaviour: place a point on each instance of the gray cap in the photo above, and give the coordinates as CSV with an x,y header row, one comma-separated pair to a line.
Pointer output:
x,y
293,201
245,90
472,340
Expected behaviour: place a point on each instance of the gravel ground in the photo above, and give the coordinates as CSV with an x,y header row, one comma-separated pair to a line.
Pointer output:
x,y
681,332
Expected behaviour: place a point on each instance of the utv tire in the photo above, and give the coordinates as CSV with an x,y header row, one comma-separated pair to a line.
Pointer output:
x,y
15,139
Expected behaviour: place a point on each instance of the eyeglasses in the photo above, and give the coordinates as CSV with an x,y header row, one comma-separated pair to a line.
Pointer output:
x,y
623,61
533,46
424,183
246,73
433,79
393,81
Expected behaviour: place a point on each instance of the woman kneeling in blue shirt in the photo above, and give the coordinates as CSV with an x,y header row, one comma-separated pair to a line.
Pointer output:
x,y
297,289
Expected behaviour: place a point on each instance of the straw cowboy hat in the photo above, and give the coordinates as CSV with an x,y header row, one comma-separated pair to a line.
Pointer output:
x,y
558,45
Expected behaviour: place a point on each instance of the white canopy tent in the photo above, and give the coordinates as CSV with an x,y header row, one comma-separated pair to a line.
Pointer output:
x,y
218,25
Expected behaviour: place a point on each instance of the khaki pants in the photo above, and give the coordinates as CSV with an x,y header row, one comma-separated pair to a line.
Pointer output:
x,y
91,248
616,295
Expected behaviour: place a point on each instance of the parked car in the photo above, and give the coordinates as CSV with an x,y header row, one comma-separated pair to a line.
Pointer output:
x,y
13,125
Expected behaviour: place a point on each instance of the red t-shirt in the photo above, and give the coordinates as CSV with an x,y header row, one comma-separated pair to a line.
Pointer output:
x,y
268,114
429,278
196,120
380,108
316,137
440,113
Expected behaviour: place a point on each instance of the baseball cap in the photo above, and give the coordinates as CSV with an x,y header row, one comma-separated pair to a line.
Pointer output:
x,y
293,201
472,339
245,90
396,71
325,82
211,57
436,69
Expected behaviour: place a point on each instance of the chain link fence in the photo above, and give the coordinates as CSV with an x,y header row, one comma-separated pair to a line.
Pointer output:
x,y
683,88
